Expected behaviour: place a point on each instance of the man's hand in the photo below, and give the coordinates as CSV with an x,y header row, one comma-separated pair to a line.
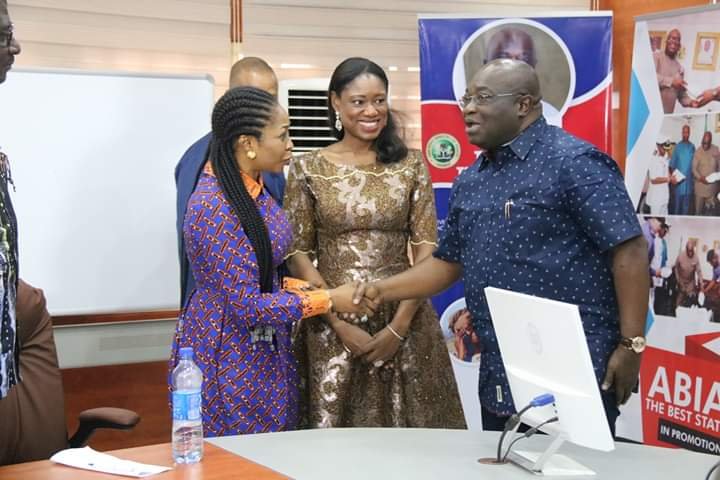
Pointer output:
x,y
622,373
382,347
706,97
678,83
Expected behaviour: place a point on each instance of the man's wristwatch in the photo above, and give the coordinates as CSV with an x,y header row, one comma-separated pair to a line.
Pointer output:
x,y
635,344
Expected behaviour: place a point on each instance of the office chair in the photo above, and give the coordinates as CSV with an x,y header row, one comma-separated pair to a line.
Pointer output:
x,y
33,414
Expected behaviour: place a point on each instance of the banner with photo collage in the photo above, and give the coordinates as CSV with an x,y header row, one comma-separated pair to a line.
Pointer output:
x,y
673,176
571,53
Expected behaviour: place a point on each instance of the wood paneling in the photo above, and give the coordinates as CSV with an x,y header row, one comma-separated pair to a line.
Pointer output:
x,y
62,320
624,14
141,387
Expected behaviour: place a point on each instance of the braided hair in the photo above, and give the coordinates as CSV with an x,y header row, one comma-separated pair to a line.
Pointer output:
x,y
388,146
243,111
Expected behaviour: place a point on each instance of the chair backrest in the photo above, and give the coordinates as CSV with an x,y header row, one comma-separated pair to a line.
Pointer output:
x,y
33,414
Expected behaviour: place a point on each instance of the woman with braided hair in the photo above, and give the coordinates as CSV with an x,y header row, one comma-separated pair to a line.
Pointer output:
x,y
238,320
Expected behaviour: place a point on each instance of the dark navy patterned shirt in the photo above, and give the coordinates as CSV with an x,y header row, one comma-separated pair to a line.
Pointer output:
x,y
540,218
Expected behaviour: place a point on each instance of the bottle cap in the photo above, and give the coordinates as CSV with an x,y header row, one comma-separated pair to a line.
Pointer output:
x,y
186,353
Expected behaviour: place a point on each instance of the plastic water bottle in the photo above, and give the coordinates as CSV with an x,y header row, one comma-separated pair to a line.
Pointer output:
x,y
187,434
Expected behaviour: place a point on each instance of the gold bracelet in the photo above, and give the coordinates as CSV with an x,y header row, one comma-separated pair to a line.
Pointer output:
x,y
392,330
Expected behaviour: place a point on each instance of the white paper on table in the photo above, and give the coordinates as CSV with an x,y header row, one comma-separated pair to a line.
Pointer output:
x,y
678,175
713,177
88,459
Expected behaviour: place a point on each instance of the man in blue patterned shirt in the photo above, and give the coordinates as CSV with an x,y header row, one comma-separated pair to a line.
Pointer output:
x,y
543,213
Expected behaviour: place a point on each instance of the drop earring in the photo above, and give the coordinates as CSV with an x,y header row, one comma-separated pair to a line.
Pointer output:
x,y
251,154
338,123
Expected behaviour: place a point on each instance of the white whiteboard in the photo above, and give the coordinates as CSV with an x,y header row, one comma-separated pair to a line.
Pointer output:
x,y
93,155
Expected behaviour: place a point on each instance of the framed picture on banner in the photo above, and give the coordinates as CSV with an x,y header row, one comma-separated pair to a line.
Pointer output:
x,y
706,50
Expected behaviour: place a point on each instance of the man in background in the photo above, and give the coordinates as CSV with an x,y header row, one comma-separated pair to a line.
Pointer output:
x,y
706,161
712,288
681,160
9,348
32,411
688,275
248,72
658,194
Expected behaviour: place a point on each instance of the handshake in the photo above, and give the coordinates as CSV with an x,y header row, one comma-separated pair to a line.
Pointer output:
x,y
705,97
362,298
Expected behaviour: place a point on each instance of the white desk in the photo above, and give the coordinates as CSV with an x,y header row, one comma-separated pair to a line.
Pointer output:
x,y
419,454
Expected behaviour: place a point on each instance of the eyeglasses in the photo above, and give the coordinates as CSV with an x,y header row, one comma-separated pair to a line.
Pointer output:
x,y
6,37
483,98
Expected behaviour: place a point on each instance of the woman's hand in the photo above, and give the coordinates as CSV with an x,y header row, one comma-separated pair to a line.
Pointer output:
x,y
353,337
382,348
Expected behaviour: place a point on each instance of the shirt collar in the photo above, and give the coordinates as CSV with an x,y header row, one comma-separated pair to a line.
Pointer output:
x,y
523,143
254,188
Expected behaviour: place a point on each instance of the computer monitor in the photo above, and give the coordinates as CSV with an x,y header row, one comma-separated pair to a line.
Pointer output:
x,y
544,350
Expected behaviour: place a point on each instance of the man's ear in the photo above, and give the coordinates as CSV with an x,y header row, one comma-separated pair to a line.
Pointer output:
x,y
525,105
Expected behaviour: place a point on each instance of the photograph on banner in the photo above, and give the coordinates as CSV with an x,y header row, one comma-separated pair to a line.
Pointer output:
x,y
574,72
683,172
684,255
685,52
673,175
465,349
460,337
535,45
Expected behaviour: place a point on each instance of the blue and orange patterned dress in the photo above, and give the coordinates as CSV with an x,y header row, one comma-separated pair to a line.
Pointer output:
x,y
250,384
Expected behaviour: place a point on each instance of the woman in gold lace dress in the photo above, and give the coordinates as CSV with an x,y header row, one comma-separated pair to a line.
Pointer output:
x,y
355,206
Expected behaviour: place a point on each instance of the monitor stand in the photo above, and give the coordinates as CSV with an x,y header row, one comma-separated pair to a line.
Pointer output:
x,y
548,462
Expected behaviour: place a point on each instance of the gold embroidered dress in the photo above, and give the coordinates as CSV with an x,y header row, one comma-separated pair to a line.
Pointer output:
x,y
357,222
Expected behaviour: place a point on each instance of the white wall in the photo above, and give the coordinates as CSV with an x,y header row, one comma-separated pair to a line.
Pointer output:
x,y
192,36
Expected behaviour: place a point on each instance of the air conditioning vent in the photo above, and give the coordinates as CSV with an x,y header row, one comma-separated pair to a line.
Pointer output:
x,y
306,102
